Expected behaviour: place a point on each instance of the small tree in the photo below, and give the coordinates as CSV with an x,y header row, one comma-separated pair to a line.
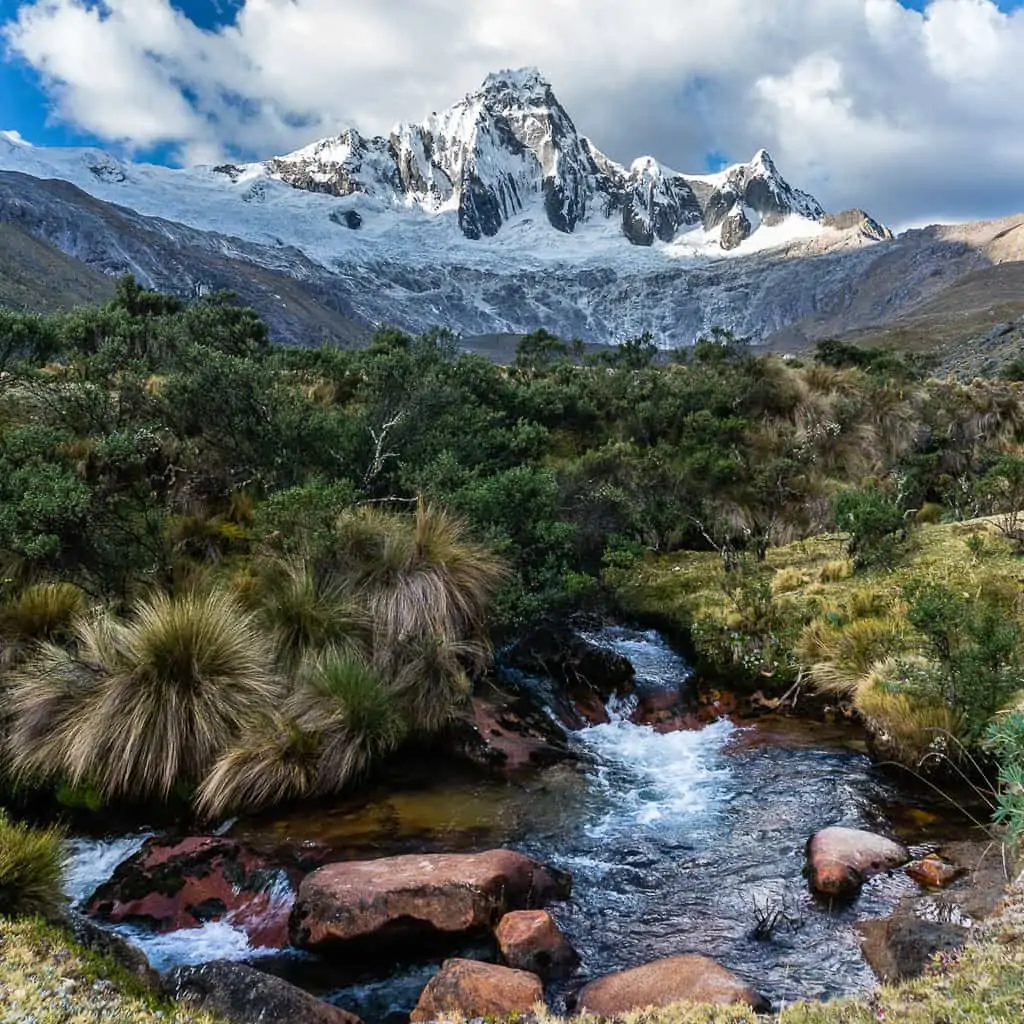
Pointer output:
x,y
1004,488
875,524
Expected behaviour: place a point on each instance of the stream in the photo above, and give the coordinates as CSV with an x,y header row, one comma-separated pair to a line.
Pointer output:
x,y
677,842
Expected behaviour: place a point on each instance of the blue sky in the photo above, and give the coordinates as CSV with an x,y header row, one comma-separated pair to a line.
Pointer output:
x,y
889,106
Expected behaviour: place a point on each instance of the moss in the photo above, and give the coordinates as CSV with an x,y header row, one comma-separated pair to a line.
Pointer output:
x,y
46,978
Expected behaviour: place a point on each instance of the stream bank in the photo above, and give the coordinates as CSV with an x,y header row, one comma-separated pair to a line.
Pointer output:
x,y
678,842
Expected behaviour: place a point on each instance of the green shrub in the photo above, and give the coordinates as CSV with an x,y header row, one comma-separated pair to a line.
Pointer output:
x,y
976,643
31,869
1005,739
875,525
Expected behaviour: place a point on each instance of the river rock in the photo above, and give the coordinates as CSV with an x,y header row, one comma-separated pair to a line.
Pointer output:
x,y
171,885
244,995
397,902
840,860
468,989
901,946
675,979
510,734
111,945
934,872
529,940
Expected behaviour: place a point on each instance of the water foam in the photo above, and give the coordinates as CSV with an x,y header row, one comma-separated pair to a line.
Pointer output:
x,y
91,862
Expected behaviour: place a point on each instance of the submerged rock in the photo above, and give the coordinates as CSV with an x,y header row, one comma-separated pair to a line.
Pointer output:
x,y
397,902
934,872
244,995
529,940
171,885
840,860
468,989
664,982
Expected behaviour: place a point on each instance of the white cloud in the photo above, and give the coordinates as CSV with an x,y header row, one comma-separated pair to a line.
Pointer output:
x,y
908,114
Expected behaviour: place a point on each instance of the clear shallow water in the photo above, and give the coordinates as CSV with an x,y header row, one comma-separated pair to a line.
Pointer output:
x,y
677,843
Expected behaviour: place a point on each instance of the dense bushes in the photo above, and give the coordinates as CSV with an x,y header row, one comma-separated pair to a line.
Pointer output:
x,y
279,564
292,681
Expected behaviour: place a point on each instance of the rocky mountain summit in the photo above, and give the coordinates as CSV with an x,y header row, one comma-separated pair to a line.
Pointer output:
x,y
510,143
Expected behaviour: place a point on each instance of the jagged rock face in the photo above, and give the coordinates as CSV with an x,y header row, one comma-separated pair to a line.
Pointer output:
x,y
759,186
512,143
736,229
656,205
341,166
492,151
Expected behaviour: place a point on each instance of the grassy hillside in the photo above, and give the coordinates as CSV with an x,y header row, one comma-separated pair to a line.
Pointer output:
x,y
37,277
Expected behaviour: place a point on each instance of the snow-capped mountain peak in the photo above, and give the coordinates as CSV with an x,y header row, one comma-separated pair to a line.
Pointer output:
x,y
511,146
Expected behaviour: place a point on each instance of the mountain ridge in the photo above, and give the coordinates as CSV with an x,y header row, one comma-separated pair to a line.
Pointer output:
x,y
374,232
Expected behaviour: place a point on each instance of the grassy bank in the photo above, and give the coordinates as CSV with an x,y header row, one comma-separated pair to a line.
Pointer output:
x,y
811,579
46,978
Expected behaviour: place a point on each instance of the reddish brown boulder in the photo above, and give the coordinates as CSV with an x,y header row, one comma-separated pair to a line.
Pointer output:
x,y
468,989
530,940
169,886
672,711
397,901
933,872
840,860
675,979
512,734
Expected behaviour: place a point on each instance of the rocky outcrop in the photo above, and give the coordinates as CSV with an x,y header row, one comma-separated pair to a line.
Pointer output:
x,y
418,900
235,992
736,229
840,860
673,980
469,990
529,940
510,734
588,673
935,872
858,220
168,886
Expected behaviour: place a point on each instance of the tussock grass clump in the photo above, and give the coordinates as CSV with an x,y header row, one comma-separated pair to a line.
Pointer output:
x,y
357,714
785,581
838,657
307,610
145,704
901,700
418,576
31,869
339,721
41,612
277,761
836,571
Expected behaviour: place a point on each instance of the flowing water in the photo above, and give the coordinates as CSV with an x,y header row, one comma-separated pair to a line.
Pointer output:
x,y
679,842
